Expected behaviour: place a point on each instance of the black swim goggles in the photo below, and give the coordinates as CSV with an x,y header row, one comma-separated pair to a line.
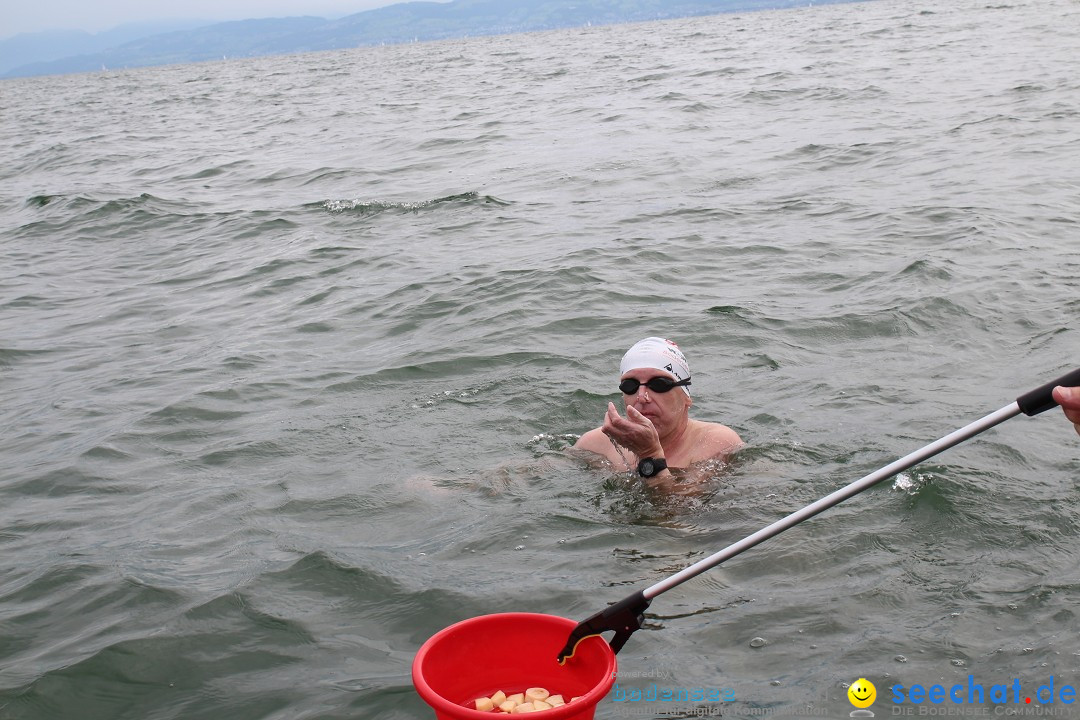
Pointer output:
x,y
658,384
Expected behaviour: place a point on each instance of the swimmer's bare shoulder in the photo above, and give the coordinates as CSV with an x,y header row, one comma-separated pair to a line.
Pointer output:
x,y
715,440
595,441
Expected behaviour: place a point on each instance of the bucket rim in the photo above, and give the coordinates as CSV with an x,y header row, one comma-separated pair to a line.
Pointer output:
x,y
441,705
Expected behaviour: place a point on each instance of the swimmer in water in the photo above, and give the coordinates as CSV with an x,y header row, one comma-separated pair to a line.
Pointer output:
x,y
657,433
1069,400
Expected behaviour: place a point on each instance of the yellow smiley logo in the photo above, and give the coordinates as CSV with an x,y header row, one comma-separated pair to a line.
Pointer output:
x,y
862,693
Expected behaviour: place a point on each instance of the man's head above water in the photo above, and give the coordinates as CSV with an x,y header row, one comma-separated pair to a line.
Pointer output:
x,y
657,432
657,354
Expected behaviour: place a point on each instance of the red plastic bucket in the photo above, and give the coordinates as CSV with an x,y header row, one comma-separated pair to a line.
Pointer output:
x,y
511,652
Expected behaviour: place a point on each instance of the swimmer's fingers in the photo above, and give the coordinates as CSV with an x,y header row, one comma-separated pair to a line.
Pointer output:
x,y
634,431
1069,399
647,439
615,425
1074,418
633,414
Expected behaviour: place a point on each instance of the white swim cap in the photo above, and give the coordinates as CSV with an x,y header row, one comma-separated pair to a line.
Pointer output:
x,y
658,353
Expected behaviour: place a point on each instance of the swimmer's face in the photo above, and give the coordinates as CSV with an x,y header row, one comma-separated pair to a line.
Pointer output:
x,y
664,410
862,693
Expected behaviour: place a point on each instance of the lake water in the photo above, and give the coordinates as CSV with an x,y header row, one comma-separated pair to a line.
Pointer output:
x,y
291,351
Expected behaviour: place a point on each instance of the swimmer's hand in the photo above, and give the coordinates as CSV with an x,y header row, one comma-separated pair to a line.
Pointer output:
x,y
635,431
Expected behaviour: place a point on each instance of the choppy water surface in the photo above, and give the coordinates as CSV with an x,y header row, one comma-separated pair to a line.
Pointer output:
x,y
291,350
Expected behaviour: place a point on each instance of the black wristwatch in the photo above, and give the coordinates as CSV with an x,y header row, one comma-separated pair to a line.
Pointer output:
x,y
651,466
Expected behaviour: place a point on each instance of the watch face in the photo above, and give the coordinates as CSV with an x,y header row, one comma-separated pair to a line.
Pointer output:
x,y
647,467
651,466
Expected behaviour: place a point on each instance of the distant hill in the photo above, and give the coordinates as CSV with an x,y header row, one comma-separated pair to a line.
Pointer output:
x,y
38,47
404,22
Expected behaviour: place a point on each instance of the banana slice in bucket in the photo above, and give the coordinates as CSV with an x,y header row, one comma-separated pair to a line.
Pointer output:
x,y
534,699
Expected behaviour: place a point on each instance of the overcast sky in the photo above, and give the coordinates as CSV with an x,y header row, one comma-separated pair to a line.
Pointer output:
x,y
18,16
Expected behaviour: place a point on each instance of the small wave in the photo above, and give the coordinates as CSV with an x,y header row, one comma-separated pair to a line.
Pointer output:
x,y
926,269
727,70
544,442
650,77
92,207
828,156
735,312
37,201
374,207
911,483
10,356
992,120
214,171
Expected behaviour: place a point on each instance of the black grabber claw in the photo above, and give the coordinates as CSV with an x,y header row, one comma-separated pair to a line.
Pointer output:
x,y
624,617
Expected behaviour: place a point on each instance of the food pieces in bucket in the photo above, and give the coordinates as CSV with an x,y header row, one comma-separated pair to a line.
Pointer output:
x,y
532,700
